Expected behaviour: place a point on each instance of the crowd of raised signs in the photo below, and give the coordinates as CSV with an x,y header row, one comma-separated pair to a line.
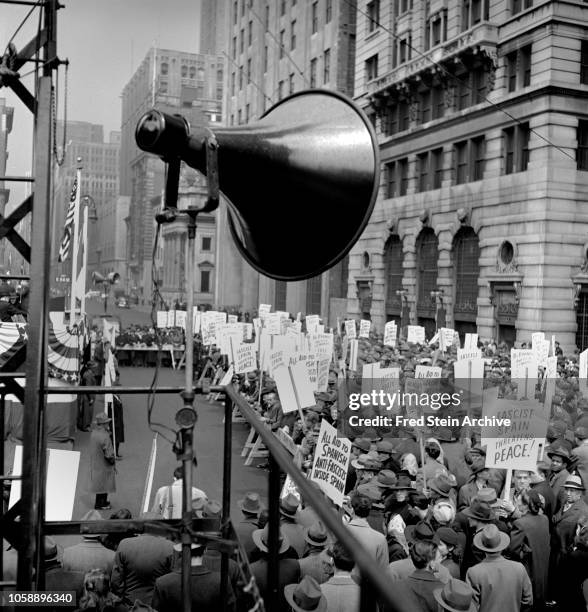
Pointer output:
x,y
449,519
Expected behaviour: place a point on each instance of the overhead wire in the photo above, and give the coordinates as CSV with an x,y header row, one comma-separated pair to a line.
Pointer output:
x,y
454,77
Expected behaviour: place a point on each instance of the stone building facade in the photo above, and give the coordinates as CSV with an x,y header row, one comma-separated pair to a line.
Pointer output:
x,y
276,49
481,115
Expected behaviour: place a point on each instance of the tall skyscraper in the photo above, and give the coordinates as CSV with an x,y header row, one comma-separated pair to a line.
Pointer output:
x,y
212,26
276,49
171,81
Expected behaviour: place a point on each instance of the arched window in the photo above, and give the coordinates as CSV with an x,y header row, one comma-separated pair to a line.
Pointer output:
x,y
466,264
281,290
427,254
393,258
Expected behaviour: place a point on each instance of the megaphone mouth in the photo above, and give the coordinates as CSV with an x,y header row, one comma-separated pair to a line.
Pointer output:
x,y
149,129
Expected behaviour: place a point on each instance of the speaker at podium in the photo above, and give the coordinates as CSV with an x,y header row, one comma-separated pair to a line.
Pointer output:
x,y
300,183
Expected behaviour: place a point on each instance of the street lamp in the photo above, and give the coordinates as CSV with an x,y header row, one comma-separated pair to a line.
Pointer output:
x,y
107,281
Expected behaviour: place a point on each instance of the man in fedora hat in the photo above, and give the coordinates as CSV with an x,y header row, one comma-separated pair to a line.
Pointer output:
x,y
566,519
205,585
456,596
289,569
56,577
498,583
316,562
306,596
454,451
478,515
102,462
89,553
341,591
478,480
250,507
560,460
291,529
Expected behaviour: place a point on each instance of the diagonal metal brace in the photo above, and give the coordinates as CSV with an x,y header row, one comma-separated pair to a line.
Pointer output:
x,y
7,227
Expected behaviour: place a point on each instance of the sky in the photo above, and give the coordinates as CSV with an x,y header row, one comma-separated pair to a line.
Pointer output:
x,y
104,41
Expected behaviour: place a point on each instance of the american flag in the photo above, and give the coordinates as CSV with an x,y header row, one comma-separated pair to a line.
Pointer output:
x,y
68,225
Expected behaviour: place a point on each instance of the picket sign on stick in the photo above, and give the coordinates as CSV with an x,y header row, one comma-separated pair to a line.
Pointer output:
x,y
150,473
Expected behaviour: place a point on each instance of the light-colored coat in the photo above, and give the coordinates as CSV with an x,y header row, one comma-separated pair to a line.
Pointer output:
x,y
373,541
500,584
102,467
342,593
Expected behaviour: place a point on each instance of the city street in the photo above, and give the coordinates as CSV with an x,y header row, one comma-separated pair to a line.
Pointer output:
x,y
132,469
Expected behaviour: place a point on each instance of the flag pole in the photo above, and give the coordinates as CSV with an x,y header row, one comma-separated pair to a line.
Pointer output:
x,y
74,259
82,274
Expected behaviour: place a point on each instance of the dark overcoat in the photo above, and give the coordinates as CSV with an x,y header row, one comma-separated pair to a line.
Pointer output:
x,y
102,468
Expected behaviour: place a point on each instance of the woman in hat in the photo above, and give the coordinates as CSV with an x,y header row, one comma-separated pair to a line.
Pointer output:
x,y
529,543
447,542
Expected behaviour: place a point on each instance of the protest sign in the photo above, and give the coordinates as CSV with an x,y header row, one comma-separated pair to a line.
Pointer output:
x,y
248,331
272,323
583,372
310,362
518,445
282,314
322,376
245,357
353,352
523,372
181,319
427,372
294,387
323,344
470,342
312,322
368,374
364,328
350,328
388,381
331,462
537,337
446,338
161,319
469,379
276,359
263,310
289,488
390,334
171,318
415,334
196,320
468,353
232,319
320,329
549,382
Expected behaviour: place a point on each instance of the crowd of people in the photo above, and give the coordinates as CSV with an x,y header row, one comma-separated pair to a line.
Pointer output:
x,y
436,520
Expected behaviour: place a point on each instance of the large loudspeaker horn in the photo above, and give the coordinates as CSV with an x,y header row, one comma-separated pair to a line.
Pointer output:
x,y
301,182
97,278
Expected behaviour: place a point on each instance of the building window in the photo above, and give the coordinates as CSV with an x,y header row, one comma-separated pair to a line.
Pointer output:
x,y
234,47
403,115
267,17
184,71
248,75
282,7
291,84
582,152
373,15
403,175
584,63
264,59
473,12
404,50
390,120
242,41
247,113
511,71
516,148
520,5
327,66
204,281
164,68
478,157
518,68
282,41
235,13
313,65
293,35
438,102
314,17
206,243
466,263
461,162
390,174
250,33
280,293
436,31
371,67
437,167
280,90
393,260
232,83
329,11
404,6
240,78
422,171
427,251
526,55
425,106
